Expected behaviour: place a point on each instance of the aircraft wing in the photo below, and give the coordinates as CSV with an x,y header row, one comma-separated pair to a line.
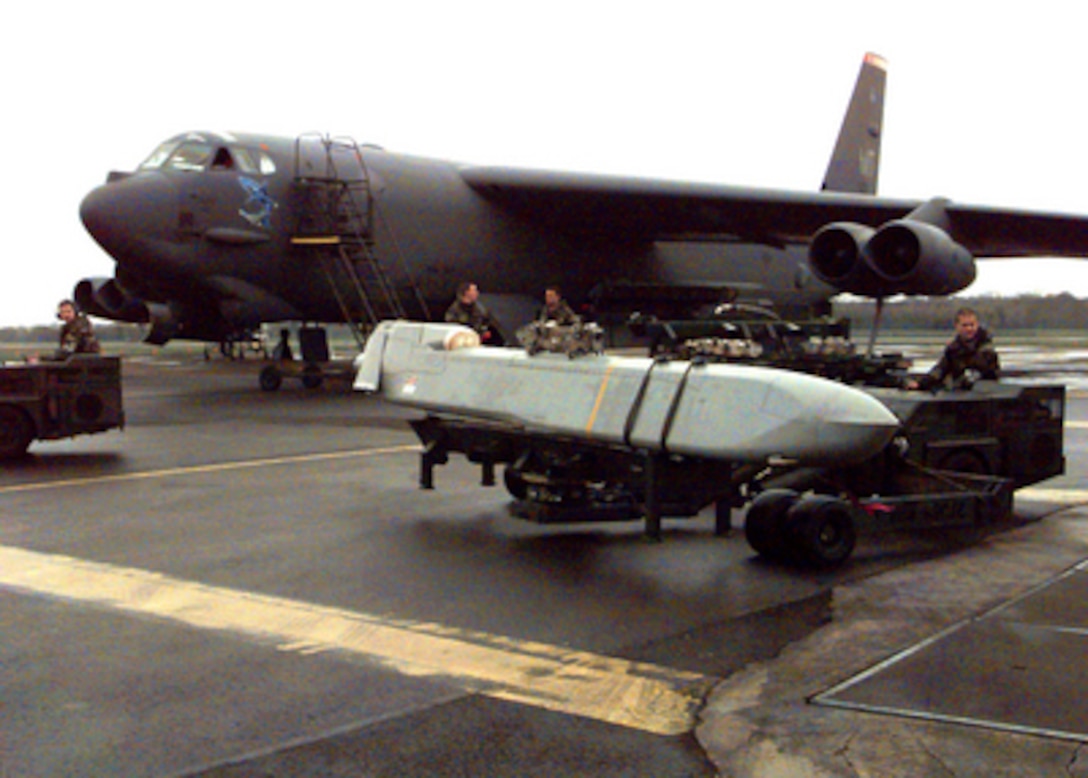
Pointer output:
x,y
663,210
1002,232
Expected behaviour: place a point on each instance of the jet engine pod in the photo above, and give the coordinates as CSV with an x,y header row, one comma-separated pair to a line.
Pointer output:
x,y
106,298
837,257
918,258
165,324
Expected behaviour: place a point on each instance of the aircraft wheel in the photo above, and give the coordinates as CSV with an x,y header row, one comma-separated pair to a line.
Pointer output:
x,y
763,524
270,379
821,531
16,432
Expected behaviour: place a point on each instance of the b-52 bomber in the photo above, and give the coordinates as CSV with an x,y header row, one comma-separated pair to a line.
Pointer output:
x,y
215,234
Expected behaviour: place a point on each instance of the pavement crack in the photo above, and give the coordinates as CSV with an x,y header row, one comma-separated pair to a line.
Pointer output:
x,y
843,752
1074,764
936,759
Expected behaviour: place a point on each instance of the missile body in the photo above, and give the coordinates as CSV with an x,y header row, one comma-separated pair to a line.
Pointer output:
x,y
720,411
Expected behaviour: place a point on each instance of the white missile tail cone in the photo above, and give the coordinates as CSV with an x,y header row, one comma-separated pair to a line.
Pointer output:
x,y
368,365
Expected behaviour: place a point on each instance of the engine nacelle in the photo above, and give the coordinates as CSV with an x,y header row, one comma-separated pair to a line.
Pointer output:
x,y
837,257
107,299
165,324
918,258
905,256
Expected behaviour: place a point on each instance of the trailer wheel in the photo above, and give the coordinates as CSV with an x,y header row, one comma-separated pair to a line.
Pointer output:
x,y
515,482
270,379
16,432
821,531
312,377
764,522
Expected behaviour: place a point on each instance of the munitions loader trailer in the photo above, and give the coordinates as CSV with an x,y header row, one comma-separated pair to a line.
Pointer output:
x,y
956,461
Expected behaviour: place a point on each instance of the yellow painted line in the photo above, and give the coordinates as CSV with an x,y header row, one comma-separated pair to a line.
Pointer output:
x,y
1063,496
642,696
599,400
222,467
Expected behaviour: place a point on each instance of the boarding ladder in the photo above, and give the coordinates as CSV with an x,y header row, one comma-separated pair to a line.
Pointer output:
x,y
336,222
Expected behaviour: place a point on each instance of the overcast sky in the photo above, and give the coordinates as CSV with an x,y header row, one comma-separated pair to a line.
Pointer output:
x,y
985,101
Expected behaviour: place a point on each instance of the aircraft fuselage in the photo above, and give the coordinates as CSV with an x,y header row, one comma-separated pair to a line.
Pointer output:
x,y
217,233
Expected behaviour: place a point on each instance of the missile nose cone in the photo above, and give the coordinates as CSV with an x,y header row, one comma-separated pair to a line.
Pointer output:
x,y
856,425
125,217
817,421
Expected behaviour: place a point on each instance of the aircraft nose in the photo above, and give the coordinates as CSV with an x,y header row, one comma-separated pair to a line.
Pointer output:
x,y
129,217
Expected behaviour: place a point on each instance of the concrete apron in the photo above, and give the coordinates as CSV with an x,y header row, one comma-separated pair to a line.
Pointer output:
x,y
969,664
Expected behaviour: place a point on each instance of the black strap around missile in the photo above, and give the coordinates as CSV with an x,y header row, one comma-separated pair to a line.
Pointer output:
x,y
636,406
674,404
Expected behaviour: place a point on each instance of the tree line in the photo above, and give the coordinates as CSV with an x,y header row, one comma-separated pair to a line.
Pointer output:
x,y
1024,312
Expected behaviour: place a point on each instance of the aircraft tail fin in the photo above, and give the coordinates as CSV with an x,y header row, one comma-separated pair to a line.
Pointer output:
x,y
855,163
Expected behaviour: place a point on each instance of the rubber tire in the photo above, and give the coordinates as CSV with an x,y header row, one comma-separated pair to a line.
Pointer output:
x,y
764,521
820,531
16,432
270,379
515,482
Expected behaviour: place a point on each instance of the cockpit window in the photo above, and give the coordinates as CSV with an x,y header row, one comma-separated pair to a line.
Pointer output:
x,y
159,156
249,161
190,156
244,159
194,155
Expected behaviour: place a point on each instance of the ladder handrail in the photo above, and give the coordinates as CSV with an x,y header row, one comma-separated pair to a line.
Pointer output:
x,y
399,258
331,198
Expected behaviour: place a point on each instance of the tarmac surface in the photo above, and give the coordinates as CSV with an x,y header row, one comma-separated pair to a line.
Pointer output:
x,y
250,584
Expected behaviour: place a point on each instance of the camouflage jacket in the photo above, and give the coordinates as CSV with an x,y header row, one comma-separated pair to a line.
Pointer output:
x,y
77,337
960,356
473,315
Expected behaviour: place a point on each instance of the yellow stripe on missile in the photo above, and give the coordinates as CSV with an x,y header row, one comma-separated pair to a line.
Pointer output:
x,y
316,240
651,698
599,400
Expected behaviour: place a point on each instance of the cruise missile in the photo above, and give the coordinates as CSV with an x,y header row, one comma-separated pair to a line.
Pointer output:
x,y
737,413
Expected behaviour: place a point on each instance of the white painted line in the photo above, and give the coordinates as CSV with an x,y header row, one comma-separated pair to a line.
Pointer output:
x,y
1061,496
652,698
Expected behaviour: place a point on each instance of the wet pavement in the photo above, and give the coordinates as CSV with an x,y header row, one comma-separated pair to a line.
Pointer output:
x,y
246,584
968,665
